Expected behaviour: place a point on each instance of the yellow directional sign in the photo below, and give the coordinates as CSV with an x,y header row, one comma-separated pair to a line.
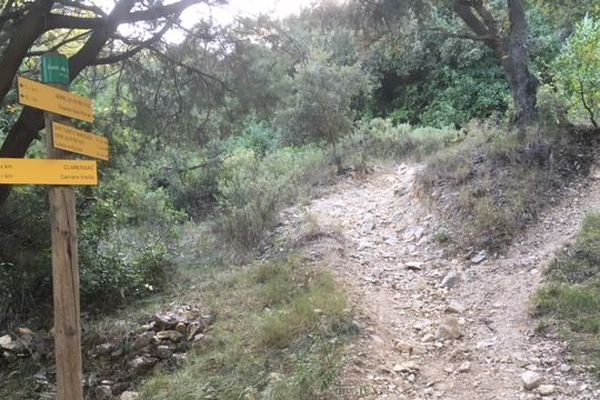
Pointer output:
x,y
19,171
47,98
80,142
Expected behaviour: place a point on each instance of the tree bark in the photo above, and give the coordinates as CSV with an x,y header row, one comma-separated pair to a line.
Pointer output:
x,y
512,51
523,83
30,28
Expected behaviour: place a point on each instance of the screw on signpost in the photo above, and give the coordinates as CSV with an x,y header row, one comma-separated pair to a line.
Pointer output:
x,y
65,262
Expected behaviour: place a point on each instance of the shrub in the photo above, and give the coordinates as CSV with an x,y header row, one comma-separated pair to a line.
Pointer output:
x,y
379,139
577,69
125,239
321,109
492,185
252,190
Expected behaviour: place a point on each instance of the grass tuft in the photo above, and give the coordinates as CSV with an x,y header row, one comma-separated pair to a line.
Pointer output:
x,y
570,300
279,333
492,185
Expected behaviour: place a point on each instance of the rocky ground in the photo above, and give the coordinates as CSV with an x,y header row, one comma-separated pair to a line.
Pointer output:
x,y
159,343
436,326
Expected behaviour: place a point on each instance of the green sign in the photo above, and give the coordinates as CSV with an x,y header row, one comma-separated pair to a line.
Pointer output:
x,y
55,69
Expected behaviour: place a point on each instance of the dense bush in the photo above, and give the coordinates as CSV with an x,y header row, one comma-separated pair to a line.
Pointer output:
x,y
380,140
253,189
125,237
577,70
322,107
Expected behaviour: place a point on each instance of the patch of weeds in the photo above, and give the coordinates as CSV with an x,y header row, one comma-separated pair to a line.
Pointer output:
x,y
571,297
493,184
279,333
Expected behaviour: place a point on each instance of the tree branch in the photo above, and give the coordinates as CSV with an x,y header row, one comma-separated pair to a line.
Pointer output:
x,y
115,58
25,35
59,21
59,45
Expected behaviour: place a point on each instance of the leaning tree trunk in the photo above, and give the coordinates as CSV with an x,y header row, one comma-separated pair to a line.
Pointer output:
x,y
523,84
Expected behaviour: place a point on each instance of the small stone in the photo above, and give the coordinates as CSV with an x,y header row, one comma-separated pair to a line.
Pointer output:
x,y
165,322
181,328
143,340
428,338
449,329
173,336
104,349
24,332
129,396
409,366
456,308
7,343
531,380
414,265
163,352
565,368
546,390
142,363
450,280
464,367
479,258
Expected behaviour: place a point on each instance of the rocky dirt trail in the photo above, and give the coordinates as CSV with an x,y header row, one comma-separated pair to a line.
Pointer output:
x,y
437,327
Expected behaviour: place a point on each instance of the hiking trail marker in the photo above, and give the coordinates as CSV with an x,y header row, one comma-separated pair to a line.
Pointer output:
x,y
80,142
48,98
61,174
19,171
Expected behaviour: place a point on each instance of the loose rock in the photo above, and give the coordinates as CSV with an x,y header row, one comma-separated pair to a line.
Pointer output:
x,y
547,390
129,396
531,380
450,280
449,329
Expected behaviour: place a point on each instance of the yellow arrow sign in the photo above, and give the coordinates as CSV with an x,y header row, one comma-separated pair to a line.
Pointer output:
x,y
19,171
80,142
47,98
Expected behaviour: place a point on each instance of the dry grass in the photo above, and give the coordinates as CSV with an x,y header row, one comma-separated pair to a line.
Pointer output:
x,y
492,185
570,300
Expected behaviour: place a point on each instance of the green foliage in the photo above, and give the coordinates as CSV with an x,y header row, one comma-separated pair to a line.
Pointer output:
x,y
570,299
380,140
577,69
253,189
279,333
322,106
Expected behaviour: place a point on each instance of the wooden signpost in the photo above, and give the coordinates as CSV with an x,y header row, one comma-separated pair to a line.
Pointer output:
x,y
19,171
61,174
57,101
80,142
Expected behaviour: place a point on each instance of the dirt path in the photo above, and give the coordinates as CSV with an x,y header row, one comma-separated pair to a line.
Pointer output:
x,y
436,327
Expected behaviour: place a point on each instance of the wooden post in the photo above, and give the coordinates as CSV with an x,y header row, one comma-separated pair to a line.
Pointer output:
x,y
65,266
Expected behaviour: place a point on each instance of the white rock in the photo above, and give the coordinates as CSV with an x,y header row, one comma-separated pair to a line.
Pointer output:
x,y
456,307
129,396
449,329
6,342
547,390
531,380
565,368
479,258
464,367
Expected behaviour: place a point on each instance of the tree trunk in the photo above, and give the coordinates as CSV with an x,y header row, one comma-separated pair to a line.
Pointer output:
x,y
512,51
523,84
